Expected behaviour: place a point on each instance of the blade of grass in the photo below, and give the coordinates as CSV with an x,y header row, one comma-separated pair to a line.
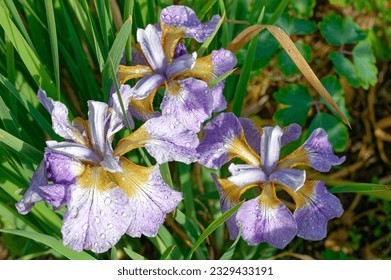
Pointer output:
x,y
360,188
128,13
52,242
115,55
23,149
215,224
113,253
208,5
53,43
33,64
21,222
241,88
231,250
133,255
9,121
167,253
288,45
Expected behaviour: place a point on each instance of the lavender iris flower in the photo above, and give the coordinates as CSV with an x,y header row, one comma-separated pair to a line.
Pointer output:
x,y
163,61
265,218
106,195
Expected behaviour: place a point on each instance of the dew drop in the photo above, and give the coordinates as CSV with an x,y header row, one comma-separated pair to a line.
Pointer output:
x,y
96,244
102,213
73,213
110,226
172,126
123,214
97,220
165,197
102,236
168,111
187,144
108,200
85,226
115,211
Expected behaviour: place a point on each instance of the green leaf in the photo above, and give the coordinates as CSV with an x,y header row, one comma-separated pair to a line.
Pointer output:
x,y
295,25
359,188
167,254
345,68
231,250
52,242
337,131
339,30
365,61
336,91
297,101
133,255
115,55
342,3
212,227
303,8
286,64
267,46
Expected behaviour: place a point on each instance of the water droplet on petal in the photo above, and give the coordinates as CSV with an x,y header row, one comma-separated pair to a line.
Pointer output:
x,y
96,244
97,220
85,226
115,211
102,213
165,197
102,236
187,144
172,126
110,226
107,201
124,214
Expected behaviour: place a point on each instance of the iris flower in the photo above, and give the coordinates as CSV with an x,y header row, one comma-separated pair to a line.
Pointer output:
x,y
106,195
265,218
161,60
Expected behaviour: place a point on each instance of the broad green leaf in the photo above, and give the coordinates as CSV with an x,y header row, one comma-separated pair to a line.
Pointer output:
x,y
380,44
267,46
295,25
345,68
212,227
52,242
19,221
339,30
303,8
286,64
336,91
365,61
337,131
297,103
231,250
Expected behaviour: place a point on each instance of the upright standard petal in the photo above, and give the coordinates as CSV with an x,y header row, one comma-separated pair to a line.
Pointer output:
x,y
150,198
186,20
266,219
224,140
151,46
270,147
60,121
33,193
181,64
96,217
244,174
188,100
315,206
291,178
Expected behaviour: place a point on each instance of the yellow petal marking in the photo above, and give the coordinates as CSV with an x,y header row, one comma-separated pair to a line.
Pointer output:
x,y
232,191
170,38
95,177
134,177
297,157
302,195
268,197
137,139
239,148
202,69
126,73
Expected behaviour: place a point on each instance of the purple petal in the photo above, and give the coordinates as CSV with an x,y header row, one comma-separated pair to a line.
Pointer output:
x,y
150,198
95,220
252,134
180,50
190,101
226,203
170,140
62,169
223,61
219,102
317,208
214,148
55,194
320,152
291,178
244,174
117,118
181,64
270,147
151,46
74,150
291,133
262,223
60,121
185,19
137,57
147,85
33,193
